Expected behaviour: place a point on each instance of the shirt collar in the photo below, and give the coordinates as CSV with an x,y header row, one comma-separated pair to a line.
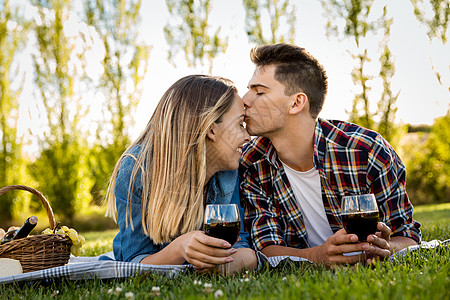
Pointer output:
x,y
271,156
319,144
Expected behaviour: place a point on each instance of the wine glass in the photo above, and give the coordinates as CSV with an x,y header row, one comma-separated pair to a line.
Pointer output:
x,y
223,221
360,215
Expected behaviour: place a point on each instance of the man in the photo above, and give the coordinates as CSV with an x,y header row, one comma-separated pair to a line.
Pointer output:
x,y
294,175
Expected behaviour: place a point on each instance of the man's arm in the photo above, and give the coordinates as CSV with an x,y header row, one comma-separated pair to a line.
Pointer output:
x,y
387,180
329,253
263,222
400,242
261,216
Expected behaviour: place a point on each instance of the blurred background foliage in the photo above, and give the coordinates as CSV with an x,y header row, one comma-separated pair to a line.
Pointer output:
x,y
82,141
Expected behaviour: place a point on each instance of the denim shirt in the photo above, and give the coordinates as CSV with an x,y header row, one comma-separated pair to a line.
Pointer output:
x,y
132,245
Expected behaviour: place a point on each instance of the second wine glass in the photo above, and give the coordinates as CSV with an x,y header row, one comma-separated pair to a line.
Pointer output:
x,y
360,215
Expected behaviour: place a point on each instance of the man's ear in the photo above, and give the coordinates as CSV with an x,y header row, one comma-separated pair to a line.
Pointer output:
x,y
300,101
210,134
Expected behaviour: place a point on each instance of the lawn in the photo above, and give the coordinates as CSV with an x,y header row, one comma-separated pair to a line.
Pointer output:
x,y
421,275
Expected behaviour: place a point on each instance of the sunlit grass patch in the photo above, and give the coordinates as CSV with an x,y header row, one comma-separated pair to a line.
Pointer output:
x,y
432,214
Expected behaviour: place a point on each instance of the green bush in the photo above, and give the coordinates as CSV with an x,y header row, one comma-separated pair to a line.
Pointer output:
x,y
428,164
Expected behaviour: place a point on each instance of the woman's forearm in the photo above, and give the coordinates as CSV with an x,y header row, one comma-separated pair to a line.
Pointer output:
x,y
244,259
167,256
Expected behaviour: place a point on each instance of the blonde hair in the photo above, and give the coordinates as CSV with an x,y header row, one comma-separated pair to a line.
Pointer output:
x,y
172,159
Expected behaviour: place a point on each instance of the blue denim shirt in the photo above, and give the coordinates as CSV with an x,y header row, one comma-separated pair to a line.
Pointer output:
x,y
133,245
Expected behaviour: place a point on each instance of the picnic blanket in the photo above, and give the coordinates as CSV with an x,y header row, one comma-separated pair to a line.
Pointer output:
x,y
80,268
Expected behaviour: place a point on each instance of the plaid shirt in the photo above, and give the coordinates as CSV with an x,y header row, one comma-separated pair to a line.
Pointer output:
x,y
350,160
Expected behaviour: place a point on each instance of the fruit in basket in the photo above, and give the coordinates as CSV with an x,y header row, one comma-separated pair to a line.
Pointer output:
x,y
47,231
13,228
77,240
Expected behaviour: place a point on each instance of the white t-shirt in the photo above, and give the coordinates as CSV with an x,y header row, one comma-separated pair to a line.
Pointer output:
x,y
308,193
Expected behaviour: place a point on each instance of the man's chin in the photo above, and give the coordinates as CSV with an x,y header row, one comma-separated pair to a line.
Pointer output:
x,y
253,132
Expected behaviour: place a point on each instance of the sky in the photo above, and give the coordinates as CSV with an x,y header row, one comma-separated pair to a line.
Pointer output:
x,y
421,97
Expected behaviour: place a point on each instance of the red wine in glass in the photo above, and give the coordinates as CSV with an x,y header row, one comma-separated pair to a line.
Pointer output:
x,y
362,224
228,231
360,215
222,221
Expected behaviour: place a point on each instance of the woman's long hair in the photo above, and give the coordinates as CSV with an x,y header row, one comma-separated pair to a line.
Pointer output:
x,y
172,159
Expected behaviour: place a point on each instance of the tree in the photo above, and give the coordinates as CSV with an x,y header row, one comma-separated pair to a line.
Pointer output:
x,y
61,167
357,24
124,67
13,30
437,24
282,21
188,31
387,109
352,19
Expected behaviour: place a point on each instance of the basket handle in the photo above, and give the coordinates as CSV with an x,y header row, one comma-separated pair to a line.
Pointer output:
x,y
48,209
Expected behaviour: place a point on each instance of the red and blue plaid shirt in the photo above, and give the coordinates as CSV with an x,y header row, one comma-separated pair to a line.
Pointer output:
x,y
350,159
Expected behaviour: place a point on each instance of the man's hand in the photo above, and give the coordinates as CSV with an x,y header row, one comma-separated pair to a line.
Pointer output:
x,y
380,247
383,245
331,252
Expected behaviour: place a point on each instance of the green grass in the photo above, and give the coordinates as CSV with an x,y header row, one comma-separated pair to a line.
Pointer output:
x,y
420,275
98,242
435,220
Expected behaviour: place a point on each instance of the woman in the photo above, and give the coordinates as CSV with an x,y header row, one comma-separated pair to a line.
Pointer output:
x,y
186,158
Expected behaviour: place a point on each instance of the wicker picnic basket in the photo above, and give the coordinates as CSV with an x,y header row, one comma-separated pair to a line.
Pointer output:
x,y
37,252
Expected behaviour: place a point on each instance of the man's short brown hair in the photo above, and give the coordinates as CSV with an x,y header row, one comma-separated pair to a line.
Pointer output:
x,y
297,70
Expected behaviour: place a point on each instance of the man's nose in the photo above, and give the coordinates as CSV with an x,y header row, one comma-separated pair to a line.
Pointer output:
x,y
246,99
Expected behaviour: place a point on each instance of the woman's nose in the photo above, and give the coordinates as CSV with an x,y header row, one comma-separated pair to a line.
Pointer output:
x,y
247,136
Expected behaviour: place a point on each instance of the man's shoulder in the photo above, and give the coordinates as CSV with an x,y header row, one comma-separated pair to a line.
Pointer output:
x,y
254,151
348,134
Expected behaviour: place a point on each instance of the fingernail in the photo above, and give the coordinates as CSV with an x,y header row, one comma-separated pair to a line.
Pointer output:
x,y
372,248
354,238
233,251
365,247
227,245
229,259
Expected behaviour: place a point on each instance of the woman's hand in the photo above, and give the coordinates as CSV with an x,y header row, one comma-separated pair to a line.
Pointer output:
x,y
203,251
